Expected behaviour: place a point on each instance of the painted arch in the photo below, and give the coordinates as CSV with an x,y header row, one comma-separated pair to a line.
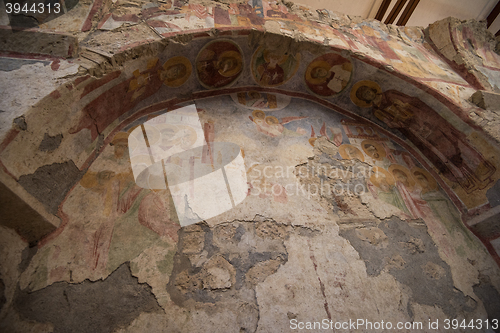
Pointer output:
x,y
365,109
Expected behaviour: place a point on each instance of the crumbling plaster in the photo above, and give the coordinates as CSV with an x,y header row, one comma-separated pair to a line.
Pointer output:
x,y
272,258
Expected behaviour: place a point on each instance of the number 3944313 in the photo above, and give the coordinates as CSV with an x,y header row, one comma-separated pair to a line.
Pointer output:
x,y
32,8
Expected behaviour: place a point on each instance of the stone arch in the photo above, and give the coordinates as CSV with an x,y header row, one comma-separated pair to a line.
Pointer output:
x,y
62,159
97,103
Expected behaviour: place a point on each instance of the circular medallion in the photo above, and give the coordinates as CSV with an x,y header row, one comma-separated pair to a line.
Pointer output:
x,y
271,68
219,64
329,74
175,71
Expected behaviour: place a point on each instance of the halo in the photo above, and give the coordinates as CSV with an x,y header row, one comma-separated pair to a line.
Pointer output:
x,y
272,120
432,182
208,59
205,55
237,68
142,159
313,65
379,174
347,156
358,85
259,114
377,145
176,61
394,167
120,137
261,55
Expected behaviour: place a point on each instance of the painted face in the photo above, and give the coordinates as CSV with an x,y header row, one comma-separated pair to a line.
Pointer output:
x,y
351,152
166,136
120,149
174,72
368,94
319,73
105,176
426,130
401,177
384,185
372,151
227,64
422,180
273,60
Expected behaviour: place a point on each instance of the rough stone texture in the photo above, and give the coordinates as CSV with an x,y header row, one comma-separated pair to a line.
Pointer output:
x,y
54,45
490,297
463,43
486,100
50,143
21,100
408,253
31,225
89,306
50,183
20,122
3,299
223,270
493,195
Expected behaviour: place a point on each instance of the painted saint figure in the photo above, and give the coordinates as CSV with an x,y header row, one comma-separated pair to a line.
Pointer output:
x,y
271,126
446,147
274,67
329,76
271,73
128,211
218,64
175,71
386,190
327,80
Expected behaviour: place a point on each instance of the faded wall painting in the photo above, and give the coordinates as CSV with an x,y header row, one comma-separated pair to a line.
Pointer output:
x,y
219,63
443,145
328,74
121,220
272,68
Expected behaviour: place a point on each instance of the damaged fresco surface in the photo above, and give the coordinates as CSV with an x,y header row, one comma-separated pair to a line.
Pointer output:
x,y
358,192
364,158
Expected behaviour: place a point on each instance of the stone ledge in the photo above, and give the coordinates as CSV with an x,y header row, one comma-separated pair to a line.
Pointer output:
x,y
35,222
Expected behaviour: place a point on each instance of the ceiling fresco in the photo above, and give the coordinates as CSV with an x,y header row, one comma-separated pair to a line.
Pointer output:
x,y
437,135
249,164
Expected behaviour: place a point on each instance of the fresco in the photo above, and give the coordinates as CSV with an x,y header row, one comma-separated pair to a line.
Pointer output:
x,y
219,64
176,71
107,107
486,60
204,179
123,221
256,100
446,147
120,221
272,68
329,74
